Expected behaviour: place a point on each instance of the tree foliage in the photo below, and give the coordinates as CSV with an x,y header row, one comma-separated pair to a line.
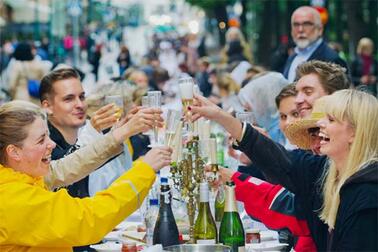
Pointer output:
x,y
210,4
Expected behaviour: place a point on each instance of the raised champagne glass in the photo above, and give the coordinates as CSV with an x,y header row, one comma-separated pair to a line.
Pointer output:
x,y
247,117
171,124
146,104
117,100
244,117
154,100
186,91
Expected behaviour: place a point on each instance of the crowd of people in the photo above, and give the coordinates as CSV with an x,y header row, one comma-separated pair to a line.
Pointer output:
x,y
71,169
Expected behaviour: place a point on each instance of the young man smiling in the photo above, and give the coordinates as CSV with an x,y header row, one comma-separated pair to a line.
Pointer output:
x,y
316,79
63,97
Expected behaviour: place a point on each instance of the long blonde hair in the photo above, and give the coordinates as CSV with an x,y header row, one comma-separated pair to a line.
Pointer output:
x,y
361,111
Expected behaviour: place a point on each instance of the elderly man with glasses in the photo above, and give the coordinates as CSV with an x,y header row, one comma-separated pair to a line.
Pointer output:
x,y
307,31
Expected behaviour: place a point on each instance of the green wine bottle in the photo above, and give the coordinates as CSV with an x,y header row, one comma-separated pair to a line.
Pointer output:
x,y
205,230
231,232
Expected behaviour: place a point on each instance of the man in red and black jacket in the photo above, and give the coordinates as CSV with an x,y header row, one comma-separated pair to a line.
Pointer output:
x,y
272,205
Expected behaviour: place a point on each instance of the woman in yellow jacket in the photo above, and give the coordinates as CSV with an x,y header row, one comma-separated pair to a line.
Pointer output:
x,y
35,219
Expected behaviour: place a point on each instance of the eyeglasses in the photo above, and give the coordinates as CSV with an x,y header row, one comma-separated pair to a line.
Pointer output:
x,y
305,25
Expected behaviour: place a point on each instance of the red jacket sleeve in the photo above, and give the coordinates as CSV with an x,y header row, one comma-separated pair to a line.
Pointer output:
x,y
273,205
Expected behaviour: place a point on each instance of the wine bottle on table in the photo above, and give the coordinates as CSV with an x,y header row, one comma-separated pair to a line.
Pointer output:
x,y
205,230
166,231
231,231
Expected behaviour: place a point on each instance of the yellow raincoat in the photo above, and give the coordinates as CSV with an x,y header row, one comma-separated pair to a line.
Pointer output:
x,y
35,219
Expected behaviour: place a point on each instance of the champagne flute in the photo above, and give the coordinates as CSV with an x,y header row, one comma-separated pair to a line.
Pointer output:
x,y
247,117
204,149
146,104
117,100
154,100
213,151
212,158
171,125
186,91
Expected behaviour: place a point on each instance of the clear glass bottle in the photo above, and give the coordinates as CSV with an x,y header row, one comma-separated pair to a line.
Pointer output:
x,y
205,230
231,231
150,220
165,231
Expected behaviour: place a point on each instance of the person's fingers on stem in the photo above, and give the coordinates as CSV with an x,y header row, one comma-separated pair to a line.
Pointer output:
x,y
195,117
134,110
105,108
200,99
105,111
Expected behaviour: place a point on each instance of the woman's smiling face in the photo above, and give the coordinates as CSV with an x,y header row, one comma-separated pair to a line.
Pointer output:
x,y
35,152
336,137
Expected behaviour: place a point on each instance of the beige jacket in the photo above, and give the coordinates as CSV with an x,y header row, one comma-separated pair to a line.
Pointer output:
x,y
80,163
20,72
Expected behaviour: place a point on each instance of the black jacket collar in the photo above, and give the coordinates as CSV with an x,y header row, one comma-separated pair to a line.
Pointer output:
x,y
62,147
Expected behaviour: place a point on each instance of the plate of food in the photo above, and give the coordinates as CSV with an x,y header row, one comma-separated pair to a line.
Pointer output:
x,y
265,246
107,247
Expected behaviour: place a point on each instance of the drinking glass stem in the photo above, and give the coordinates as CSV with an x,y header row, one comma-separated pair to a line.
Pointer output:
x,y
190,123
156,134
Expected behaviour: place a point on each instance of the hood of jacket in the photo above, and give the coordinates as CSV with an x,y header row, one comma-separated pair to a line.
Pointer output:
x,y
368,174
8,175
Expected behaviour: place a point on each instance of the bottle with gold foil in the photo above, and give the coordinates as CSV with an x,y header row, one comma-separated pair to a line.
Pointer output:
x,y
205,230
231,231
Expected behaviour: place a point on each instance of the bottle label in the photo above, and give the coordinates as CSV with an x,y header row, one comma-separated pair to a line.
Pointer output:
x,y
166,195
209,241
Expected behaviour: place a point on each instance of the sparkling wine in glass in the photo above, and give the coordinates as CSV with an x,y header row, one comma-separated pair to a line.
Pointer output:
x,y
117,100
186,91
171,124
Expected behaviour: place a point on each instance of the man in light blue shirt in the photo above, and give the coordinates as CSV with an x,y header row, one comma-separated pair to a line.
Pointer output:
x,y
307,31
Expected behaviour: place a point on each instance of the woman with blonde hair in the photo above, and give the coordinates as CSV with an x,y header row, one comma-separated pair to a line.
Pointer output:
x,y
236,48
337,192
350,140
35,219
227,86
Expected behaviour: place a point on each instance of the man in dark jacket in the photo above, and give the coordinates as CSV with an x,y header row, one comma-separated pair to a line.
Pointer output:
x,y
306,31
63,97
